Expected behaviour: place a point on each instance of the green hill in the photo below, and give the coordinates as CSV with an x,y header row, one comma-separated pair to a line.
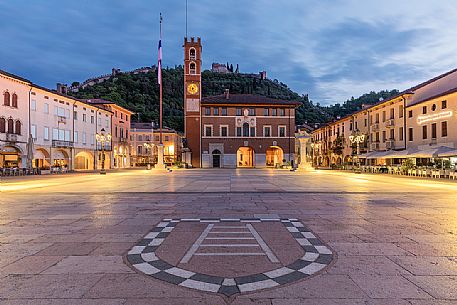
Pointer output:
x,y
140,93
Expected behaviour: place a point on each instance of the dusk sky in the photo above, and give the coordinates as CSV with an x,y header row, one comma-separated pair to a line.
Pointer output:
x,y
331,50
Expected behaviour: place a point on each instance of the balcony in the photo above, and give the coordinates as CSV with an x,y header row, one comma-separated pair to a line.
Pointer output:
x,y
62,119
390,123
62,144
375,146
390,144
11,137
375,127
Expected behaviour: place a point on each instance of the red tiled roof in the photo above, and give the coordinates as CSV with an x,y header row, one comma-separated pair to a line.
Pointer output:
x,y
247,99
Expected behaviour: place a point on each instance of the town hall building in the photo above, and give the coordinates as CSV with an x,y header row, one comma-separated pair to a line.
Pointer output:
x,y
234,130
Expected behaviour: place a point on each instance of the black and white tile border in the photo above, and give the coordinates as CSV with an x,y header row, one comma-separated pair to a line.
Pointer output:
x,y
143,258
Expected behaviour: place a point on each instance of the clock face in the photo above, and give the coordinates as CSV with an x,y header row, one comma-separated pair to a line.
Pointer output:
x,y
192,88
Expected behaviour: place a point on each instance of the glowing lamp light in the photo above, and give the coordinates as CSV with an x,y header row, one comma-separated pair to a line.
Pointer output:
x,y
433,117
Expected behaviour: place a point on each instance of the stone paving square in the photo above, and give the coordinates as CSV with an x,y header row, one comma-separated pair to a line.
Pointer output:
x,y
392,239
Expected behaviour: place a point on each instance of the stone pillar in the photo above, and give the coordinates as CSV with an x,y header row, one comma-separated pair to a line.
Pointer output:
x,y
304,164
160,164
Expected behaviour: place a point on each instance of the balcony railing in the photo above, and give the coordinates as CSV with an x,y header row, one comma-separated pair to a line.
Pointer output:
x,y
62,144
11,137
374,146
390,144
390,123
375,126
62,119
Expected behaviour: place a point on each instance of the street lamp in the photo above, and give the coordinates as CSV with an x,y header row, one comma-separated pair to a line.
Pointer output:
x,y
149,146
357,138
103,138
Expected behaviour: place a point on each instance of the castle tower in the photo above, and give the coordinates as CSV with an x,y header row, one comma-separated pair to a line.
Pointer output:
x,y
192,97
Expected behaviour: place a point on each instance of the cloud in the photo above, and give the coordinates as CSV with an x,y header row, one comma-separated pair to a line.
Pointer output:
x,y
331,49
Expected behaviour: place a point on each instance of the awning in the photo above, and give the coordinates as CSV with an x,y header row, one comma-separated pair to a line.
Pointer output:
x,y
378,155
431,152
450,153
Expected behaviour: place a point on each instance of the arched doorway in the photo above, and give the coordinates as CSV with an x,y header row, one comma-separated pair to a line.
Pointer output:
x,y
245,157
216,158
84,160
41,159
10,157
60,158
274,156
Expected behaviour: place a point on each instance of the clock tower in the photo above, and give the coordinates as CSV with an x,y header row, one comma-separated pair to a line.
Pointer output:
x,y
192,97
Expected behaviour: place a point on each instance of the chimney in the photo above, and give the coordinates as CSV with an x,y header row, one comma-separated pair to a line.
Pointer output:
x,y
227,94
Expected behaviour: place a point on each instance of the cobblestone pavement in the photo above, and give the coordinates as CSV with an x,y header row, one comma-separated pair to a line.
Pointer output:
x,y
64,239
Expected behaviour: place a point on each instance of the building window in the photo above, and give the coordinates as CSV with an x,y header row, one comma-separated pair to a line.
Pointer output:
x,y
384,136
192,54
75,115
434,131
216,110
46,108
400,133
377,118
392,113
282,112
245,130
224,111
75,137
2,125
126,118
424,110
33,105
410,134
267,131
410,114
84,117
139,150
238,111
273,112
14,104
384,116
192,69
424,132
282,131
6,98
392,134
365,123
444,129
443,104
207,111
18,128
433,107
400,111
350,126
33,131
224,131
122,116
266,111
140,138
208,131
252,132
238,131
92,120
84,138
46,133
251,111
167,138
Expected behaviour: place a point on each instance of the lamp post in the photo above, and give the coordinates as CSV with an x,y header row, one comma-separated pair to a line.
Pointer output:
x,y
103,138
149,146
357,138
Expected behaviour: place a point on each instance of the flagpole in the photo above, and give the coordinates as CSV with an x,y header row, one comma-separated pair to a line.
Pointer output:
x,y
160,84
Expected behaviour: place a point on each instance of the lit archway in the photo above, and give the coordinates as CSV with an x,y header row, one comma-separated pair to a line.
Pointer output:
x,y
274,156
84,160
245,157
41,159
